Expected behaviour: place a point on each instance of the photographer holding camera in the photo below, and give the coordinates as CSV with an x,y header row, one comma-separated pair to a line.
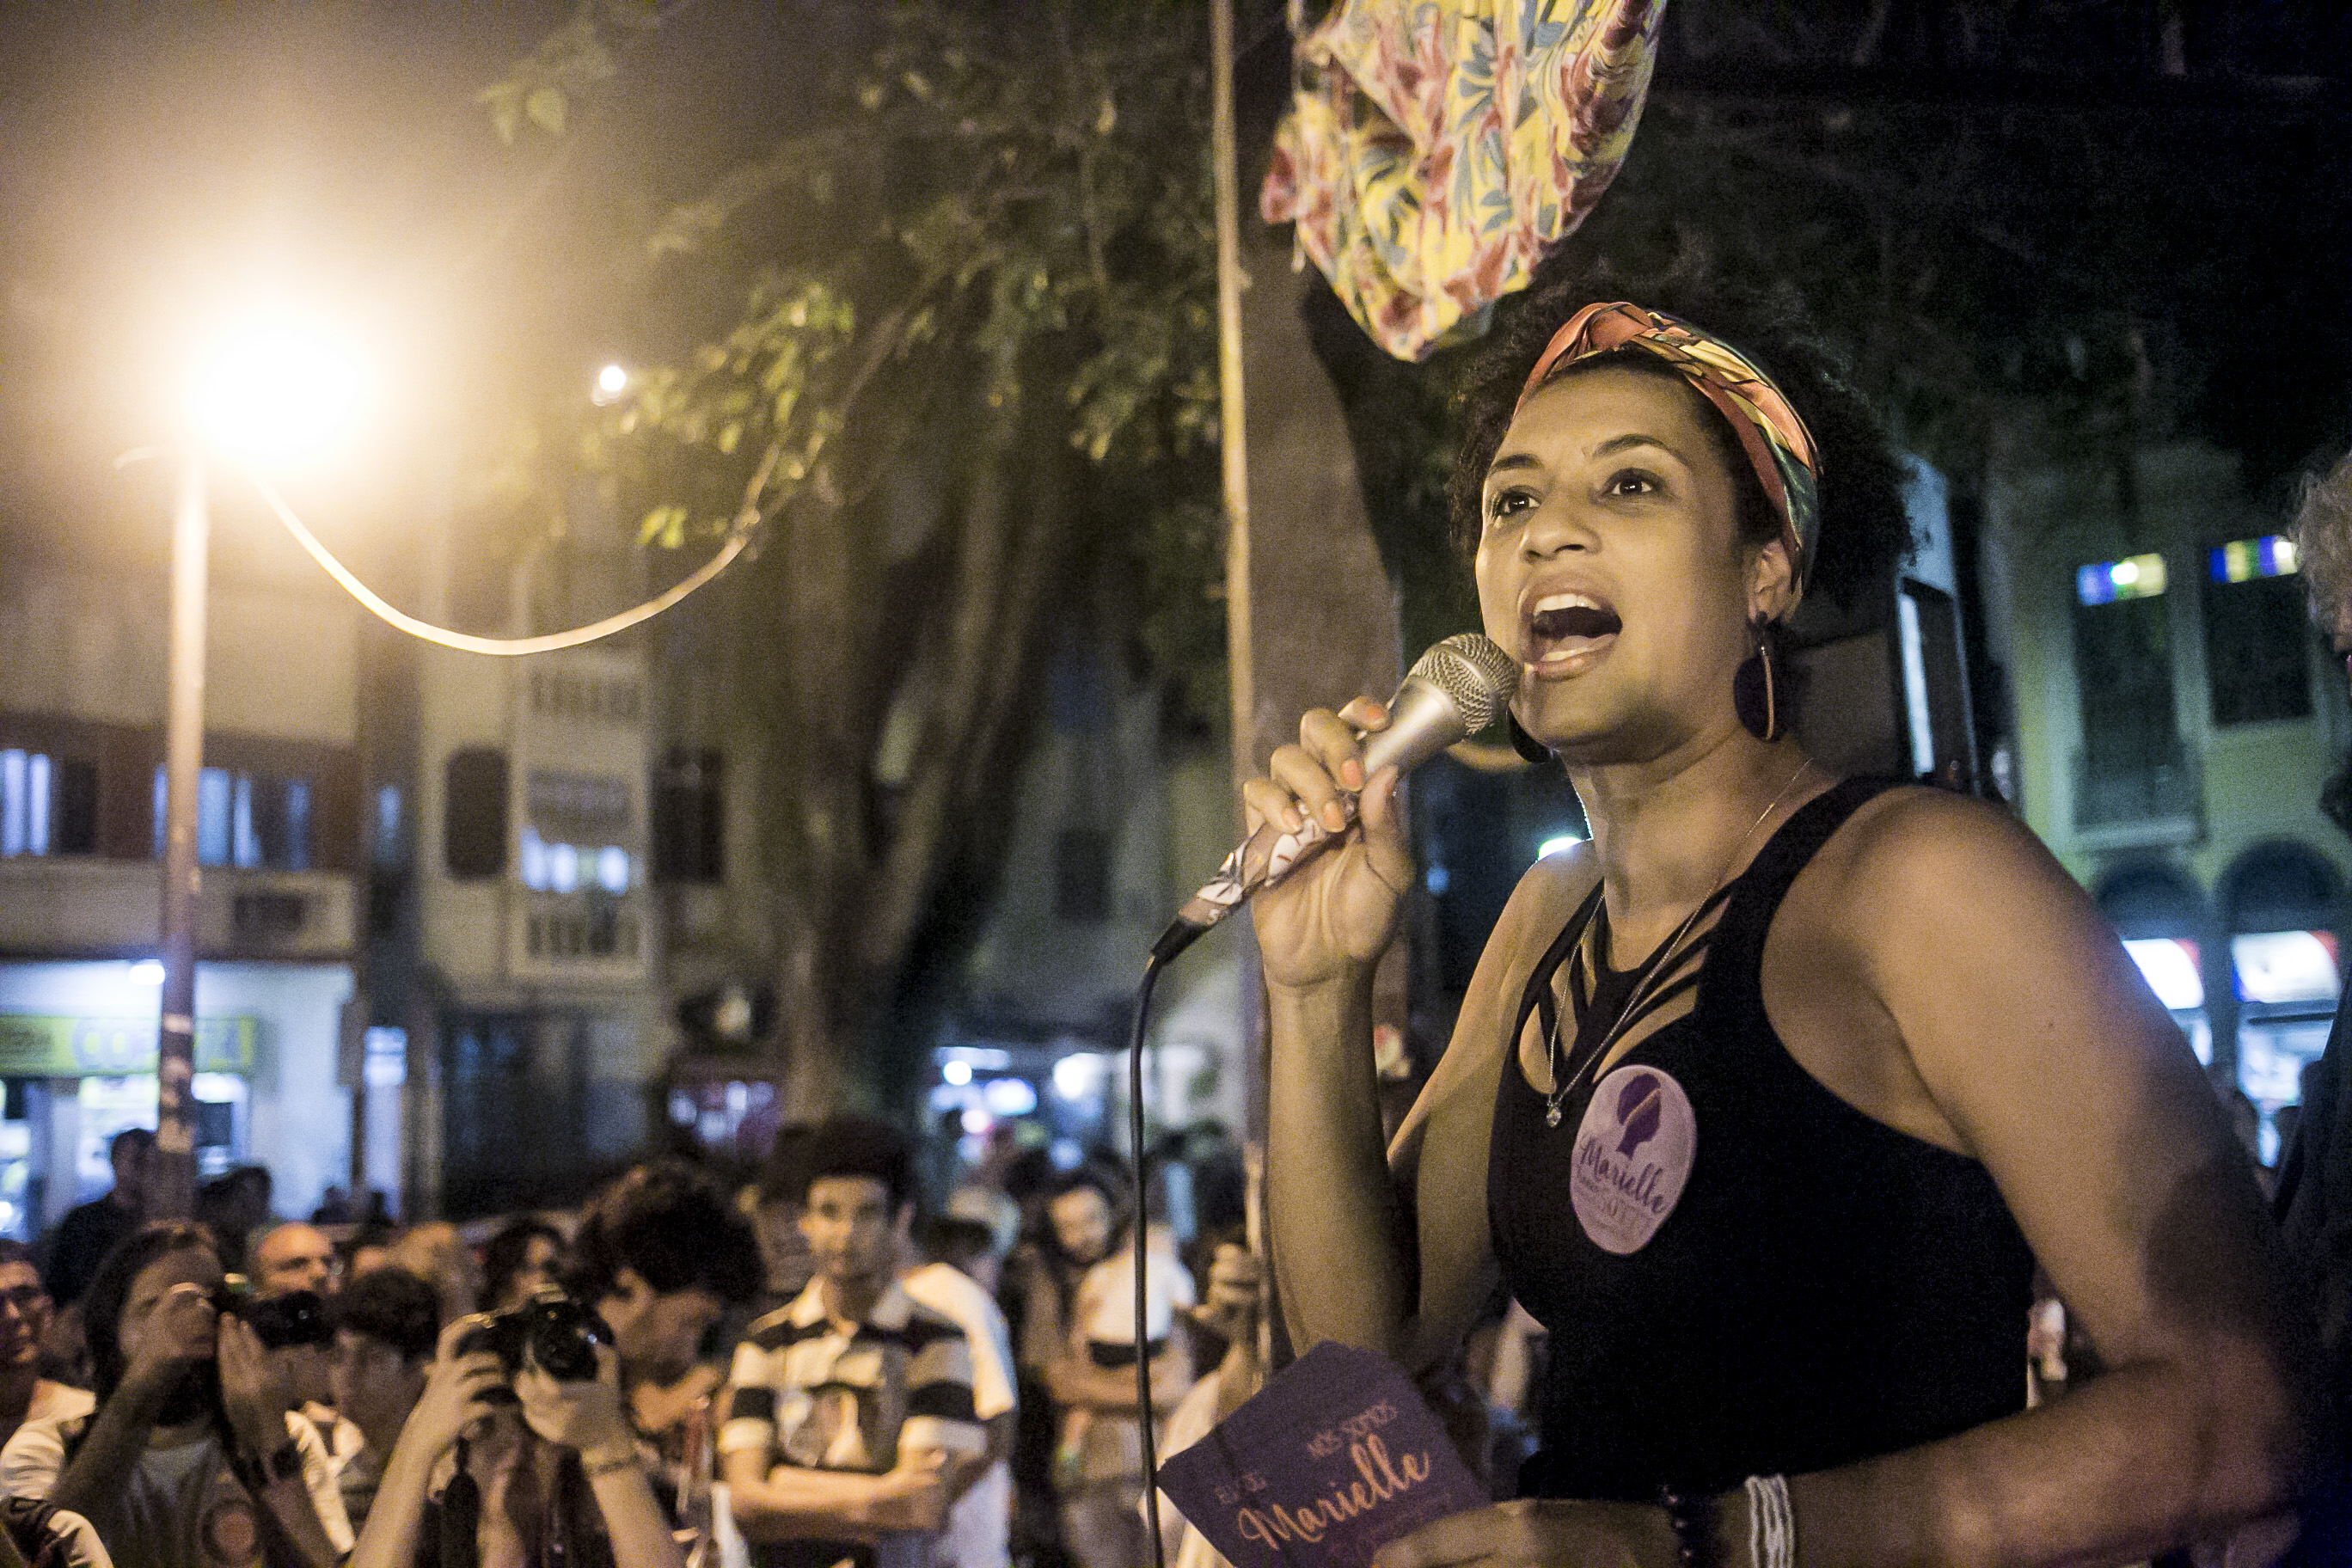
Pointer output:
x,y
194,1458
658,1256
537,1463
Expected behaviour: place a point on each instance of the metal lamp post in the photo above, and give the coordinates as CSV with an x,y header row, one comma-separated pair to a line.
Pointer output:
x,y
172,1186
274,387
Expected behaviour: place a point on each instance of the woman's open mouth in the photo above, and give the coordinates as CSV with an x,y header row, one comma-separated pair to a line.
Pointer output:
x,y
1565,632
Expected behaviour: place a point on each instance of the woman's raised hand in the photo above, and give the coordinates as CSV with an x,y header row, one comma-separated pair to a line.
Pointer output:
x,y
1334,914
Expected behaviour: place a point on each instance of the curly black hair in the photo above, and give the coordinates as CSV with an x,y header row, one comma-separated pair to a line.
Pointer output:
x,y
672,1225
1864,530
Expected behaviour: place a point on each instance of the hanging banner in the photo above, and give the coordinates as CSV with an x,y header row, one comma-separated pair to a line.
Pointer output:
x,y
34,1047
1437,150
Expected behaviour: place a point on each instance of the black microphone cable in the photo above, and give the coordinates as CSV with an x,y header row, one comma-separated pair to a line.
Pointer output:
x,y
1159,957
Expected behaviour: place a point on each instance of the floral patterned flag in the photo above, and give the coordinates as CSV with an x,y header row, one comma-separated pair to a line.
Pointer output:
x,y
1437,149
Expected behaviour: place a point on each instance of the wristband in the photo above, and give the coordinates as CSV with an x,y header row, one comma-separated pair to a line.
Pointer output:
x,y
610,1461
1772,1523
1692,1514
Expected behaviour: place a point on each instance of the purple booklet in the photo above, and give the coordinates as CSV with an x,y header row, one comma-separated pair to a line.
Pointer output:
x,y
1337,1455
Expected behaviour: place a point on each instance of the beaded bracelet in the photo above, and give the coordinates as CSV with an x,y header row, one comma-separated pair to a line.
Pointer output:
x,y
1693,1517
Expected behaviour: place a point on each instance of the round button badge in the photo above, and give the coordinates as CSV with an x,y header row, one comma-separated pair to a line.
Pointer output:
x,y
1633,1154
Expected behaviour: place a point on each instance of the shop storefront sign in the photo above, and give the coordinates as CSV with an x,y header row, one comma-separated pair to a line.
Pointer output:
x,y
32,1047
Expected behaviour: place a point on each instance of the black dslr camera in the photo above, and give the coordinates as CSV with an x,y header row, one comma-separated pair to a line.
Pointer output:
x,y
297,1318
560,1334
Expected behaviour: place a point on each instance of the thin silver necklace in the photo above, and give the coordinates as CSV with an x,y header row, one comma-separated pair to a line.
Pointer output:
x,y
1662,963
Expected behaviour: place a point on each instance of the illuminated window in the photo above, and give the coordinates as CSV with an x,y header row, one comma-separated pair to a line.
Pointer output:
x,y
2132,759
2133,577
2244,560
2282,966
2169,966
49,806
248,820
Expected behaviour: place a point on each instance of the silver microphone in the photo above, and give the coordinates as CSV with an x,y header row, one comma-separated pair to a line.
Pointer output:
x,y
1453,690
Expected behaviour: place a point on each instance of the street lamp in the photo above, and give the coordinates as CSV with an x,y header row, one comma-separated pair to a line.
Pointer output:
x,y
270,388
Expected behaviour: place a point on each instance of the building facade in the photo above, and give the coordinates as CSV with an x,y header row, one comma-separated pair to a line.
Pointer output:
x,y
2177,721
82,684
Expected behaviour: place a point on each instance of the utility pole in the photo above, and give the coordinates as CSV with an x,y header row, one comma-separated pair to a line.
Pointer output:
x,y
172,1185
1233,437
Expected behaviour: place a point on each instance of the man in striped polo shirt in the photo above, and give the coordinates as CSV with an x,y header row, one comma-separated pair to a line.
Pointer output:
x,y
850,1423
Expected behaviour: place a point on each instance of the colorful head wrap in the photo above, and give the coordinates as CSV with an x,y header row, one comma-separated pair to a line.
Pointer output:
x,y
1769,430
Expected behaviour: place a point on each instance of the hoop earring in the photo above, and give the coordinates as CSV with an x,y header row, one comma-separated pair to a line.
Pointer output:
x,y
1756,690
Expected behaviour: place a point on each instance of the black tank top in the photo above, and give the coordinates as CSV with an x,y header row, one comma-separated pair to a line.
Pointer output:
x,y
1824,1289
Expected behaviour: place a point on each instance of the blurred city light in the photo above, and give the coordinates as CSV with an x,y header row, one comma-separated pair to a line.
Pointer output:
x,y
1078,1075
611,382
956,1071
147,972
274,388
2169,966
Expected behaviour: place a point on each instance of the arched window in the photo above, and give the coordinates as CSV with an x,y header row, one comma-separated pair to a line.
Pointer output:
x,y
2151,898
2281,902
2159,913
2280,885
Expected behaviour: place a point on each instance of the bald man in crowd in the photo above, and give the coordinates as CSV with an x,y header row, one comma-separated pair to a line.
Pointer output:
x,y
295,1256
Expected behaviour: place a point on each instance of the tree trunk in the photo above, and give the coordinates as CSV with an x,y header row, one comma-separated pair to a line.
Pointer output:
x,y
858,890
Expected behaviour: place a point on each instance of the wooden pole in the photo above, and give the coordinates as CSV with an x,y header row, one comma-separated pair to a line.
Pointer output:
x,y
1232,436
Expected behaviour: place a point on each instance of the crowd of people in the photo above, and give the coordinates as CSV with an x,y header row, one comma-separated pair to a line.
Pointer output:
x,y
827,1364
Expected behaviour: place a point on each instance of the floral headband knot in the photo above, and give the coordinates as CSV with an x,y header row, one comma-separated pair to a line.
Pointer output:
x,y
1770,429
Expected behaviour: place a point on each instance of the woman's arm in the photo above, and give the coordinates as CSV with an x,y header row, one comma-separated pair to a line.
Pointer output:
x,y
2036,1040
1943,945
1387,1250
1413,1221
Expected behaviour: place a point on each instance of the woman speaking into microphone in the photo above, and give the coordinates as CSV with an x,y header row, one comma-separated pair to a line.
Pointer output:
x,y
1766,1100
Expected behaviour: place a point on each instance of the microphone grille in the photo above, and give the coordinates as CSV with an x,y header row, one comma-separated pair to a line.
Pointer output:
x,y
1475,672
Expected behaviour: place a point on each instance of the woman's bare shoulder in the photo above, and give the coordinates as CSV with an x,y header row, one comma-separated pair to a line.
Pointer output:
x,y
1545,896
1918,869
1912,832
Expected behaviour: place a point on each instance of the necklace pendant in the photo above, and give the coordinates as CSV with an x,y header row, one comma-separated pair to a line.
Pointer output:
x,y
1552,1116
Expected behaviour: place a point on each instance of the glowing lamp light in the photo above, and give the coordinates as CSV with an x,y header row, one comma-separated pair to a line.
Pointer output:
x,y
956,1072
273,389
611,382
2124,573
147,972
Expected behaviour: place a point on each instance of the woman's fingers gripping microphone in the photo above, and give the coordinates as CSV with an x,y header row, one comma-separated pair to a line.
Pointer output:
x,y
1326,763
1387,847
